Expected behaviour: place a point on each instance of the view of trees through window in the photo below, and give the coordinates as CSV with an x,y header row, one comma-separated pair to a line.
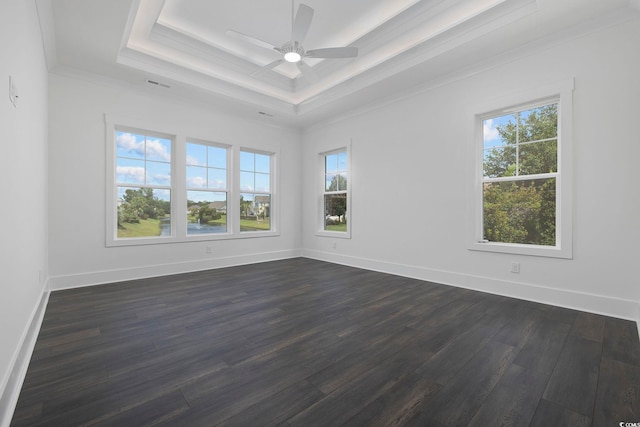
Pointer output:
x,y
206,175
520,174
335,191
143,178
255,188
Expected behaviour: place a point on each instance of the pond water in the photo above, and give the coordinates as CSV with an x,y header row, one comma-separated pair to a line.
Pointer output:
x,y
192,228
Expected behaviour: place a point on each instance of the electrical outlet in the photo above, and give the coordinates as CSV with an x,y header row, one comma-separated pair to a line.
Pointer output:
x,y
515,267
208,250
334,245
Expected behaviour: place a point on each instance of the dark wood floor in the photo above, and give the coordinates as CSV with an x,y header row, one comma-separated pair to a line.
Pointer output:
x,y
303,343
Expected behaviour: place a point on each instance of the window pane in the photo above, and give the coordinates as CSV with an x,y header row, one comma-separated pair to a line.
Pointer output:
x,y
499,162
335,209
330,182
143,212
342,182
217,157
158,173
196,154
520,212
263,163
206,212
247,161
539,157
130,171
262,182
539,123
499,131
331,163
217,179
342,161
255,212
129,145
196,177
247,181
158,149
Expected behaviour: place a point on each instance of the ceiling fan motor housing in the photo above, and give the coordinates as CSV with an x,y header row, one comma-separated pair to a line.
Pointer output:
x,y
292,53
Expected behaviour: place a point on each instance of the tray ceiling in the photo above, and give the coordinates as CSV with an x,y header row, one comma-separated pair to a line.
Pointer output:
x,y
183,45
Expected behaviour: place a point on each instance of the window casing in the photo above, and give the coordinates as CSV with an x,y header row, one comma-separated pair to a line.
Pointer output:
x,y
195,187
523,186
255,191
207,187
334,218
143,165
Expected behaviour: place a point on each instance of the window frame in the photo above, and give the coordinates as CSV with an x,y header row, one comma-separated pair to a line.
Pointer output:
x,y
562,94
273,203
178,185
230,211
321,172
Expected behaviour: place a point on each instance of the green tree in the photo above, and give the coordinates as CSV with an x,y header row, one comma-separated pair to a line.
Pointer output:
x,y
140,204
338,183
207,214
245,206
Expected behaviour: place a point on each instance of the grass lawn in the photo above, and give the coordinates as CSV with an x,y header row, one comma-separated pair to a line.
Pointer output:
x,y
252,225
145,228
337,227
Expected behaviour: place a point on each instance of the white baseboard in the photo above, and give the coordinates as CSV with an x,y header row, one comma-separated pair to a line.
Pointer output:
x,y
10,390
119,275
597,304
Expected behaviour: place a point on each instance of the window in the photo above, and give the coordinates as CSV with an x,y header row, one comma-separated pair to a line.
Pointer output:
x,y
206,178
524,190
255,191
334,211
143,185
165,187
520,169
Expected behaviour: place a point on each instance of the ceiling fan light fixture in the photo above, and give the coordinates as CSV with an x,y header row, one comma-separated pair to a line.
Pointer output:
x,y
292,57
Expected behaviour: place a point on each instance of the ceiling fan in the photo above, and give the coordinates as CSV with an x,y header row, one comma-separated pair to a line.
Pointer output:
x,y
293,51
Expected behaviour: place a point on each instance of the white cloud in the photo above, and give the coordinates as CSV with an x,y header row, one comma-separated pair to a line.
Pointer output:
x,y
127,142
489,130
193,161
217,184
157,150
196,182
161,179
130,174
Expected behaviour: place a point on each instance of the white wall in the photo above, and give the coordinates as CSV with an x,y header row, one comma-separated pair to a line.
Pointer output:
x,y
410,180
23,173
77,252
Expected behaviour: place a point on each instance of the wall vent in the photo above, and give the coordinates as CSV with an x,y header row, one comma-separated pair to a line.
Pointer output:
x,y
155,83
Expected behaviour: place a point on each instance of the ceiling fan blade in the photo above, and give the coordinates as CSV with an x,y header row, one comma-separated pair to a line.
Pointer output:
x,y
271,65
333,52
307,72
301,24
251,39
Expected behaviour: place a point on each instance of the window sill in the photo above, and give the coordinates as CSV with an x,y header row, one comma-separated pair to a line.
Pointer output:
x,y
519,249
334,234
198,238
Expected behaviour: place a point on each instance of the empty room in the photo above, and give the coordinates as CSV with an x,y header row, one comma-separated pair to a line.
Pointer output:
x,y
305,212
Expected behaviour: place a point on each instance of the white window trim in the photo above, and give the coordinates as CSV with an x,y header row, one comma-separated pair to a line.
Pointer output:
x,y
561,92
320,231
230,206
273,182
178,186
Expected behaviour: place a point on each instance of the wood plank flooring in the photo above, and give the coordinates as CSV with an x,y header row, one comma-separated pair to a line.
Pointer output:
x,y
306,343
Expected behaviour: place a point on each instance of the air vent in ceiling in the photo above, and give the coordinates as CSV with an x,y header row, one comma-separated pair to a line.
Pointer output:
x,y
155,83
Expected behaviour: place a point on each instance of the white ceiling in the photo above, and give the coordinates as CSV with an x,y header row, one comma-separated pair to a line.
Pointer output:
x,y
403,44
